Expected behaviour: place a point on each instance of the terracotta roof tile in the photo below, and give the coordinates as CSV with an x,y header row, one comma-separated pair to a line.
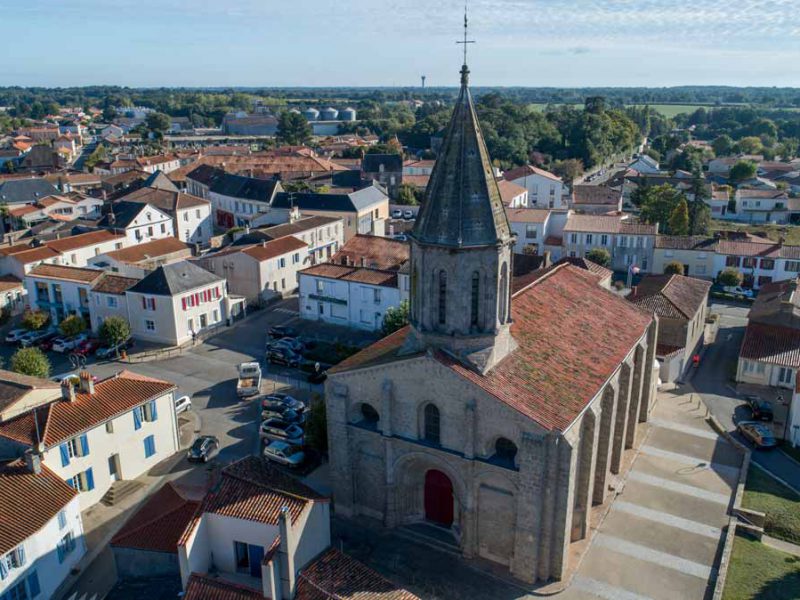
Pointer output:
x,y
672,296
34,255
28,502
66,273
114,284
82,240
205,587
334,574
356,274
9,282
596,194
764,250
608,224
772,344
275,248
524,170
376,252
527,215
149,250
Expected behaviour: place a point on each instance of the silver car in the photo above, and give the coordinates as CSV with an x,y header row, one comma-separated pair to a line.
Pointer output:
x,y
284,454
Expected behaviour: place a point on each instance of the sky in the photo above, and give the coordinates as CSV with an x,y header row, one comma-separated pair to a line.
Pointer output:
x,y
274,43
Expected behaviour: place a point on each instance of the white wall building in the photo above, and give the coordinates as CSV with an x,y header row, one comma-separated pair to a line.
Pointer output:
x,y
76,250
138,223
545,190
61,291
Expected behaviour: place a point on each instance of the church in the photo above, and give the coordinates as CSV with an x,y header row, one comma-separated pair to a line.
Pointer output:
x,y
498,418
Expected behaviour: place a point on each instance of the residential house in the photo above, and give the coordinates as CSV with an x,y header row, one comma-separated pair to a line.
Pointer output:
x,y
324,235
237,200
41,532
628,242
107,298
137,222
162,162
418,167
17,260
645,164
137,261
366,278
115,186
25,191
362,212
513,195
761,206
770,352
695,252
384,169
545,190
530,227
596,199
260,272
75,182
12,295
99,433
681,304
76,250
176,302
720,203
61,291
62,208
760,262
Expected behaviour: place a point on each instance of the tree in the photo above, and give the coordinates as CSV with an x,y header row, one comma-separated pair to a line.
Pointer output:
x,y
109,114
35,319
72,325
723,145
699,210
569,169
750,145
293,129
742,170
157,122
679,219
406,194
729,277
317,427
396,317
673,268
658,203
114,330
31,361
599,256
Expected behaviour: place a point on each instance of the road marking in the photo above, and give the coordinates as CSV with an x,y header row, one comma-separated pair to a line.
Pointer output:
x,y
696,431
681,488
667,519
286,311
644,553
690,460
775,477
604,590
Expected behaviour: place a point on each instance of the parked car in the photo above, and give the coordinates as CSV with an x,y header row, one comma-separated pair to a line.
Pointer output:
x,y
34,338
87,347
280,331
111,351
283,356
761,409
397,213
284,454
284,413
408,215
738,290
292,343
281,400
204,449
182,404
759,434
283,431
13,336
67,344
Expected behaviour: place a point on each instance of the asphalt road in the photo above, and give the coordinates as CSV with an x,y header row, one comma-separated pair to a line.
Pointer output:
x,y
714,382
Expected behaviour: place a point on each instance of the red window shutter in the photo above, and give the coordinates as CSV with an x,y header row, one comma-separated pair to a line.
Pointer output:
x,y
183,301
219,293
197,298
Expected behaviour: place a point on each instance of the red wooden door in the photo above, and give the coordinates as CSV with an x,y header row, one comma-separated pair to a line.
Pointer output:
x,y
438,498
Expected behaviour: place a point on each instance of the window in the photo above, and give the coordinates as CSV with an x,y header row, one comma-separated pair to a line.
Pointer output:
x,y
573,238
530,232
731,261
749,262
376,295
216,315
505,451
442,297
109,426
431,427
281,263
320,286
370,416
150,411
283,283
785,375
149,446
65,545
197,213
111,301
150,325
761,368
83,482
604,240
475,299
589,238
767,264
365,316
62,519
502,293
623,241
163,228
793,266
185,217
148,303
15,559
242,557
150,231
295,258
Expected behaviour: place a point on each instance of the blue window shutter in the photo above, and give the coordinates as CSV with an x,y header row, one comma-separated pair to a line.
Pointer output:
x,y
137,418
153,410
60,550
64,455
71,482
89,479
149,446
3,568
84,445
33,585
62,519
20,555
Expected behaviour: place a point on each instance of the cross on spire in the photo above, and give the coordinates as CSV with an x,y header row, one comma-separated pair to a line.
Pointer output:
x,y
466,42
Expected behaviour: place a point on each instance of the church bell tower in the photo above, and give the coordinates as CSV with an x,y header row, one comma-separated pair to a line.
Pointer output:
x,y
461,250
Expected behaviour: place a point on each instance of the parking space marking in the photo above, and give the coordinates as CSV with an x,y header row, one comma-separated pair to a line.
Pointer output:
x,y
668,519
286,311
690,460
604,590
696,431
681,488
662,559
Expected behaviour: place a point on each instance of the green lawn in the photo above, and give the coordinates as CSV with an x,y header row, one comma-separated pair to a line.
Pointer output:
x,y
668,110
759,572
791,233
781,505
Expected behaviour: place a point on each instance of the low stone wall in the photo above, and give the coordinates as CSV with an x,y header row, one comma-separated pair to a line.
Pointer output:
x,y
133,563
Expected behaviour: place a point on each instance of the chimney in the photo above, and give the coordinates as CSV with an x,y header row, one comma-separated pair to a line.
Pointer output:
x,y
87,383
67,390
33,461
288,575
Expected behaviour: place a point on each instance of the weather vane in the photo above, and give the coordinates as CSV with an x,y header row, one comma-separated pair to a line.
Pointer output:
x,y
466,41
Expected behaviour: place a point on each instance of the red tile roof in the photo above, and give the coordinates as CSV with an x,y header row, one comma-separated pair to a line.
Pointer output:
x,y
34,255
149,250
82,240
114,284
159,523
64,420
672,296
376,252
334,574
66,273
275,248
28,502
572,336
608,224
527,215
764,250
205,587
166,200
9,282
596,194
527,170
772,344
356,274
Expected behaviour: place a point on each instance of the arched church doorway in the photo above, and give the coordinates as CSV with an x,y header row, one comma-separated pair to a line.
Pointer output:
x,y
438,498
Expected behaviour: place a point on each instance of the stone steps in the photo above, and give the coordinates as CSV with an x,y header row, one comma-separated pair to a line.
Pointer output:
x,y
120,490
430,536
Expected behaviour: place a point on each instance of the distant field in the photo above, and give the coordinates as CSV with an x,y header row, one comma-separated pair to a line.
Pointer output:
x,y
668,110
790,233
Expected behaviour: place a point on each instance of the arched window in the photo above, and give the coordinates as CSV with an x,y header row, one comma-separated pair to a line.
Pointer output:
x,y
503,293
431,424
442,297
474,301
370,416
505,452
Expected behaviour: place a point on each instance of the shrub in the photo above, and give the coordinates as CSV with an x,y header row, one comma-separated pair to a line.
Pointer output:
x,y
599,256
673,268
72,325
114,330
729,277
31,361
35,319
